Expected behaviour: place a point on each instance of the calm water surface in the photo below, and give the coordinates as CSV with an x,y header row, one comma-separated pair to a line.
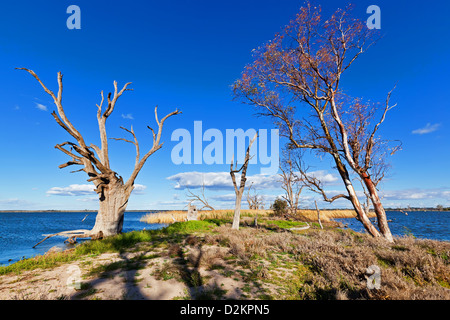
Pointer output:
x,y
20,231
421,224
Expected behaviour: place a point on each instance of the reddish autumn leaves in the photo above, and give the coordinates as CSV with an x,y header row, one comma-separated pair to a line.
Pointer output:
x,y
295,80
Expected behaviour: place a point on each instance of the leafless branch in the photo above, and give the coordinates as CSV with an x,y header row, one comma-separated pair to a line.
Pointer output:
x,y
201,198
156,145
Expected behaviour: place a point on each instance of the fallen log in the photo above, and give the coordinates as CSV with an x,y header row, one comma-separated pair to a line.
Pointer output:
x,y
299,228
71,234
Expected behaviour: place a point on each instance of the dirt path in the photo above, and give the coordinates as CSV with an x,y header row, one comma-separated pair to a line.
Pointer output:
x,y
136,275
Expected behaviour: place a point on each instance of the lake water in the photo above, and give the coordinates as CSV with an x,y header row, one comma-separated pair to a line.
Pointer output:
x,y
20,231
421,224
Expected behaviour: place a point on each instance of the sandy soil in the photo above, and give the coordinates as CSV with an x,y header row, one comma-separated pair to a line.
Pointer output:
x,y
119,276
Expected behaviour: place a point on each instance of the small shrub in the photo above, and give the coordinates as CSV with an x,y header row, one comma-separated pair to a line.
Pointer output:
x,y
174,251
279,207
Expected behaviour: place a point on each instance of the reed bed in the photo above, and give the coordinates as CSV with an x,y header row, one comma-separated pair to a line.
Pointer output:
x,y
169,217
328,215
180,215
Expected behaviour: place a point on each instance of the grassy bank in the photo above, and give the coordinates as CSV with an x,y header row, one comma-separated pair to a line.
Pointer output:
x,y
306,215
207,260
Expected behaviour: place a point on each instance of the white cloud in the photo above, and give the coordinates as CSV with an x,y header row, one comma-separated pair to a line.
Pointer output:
x,y
224,197
139,189
193,179
323,176
416,194
427,129
88,199
15,202
72,190
261,181
128,116
85,189
41,106
222,180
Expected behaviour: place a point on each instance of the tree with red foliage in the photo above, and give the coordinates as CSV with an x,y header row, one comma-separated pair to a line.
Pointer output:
x,y
295,80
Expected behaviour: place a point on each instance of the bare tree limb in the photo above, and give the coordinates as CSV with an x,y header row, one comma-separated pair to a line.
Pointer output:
x,y
156,146
135,143
254,201
201,198
113,193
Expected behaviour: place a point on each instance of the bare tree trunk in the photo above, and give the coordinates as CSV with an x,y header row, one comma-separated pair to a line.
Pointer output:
x,y
237,211
361,214
113,192
378,208
318,215
240,191
110,216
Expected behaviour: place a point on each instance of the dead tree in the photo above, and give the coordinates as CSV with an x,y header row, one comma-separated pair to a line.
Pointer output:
x,y
318,215
292,184
192,197
295,80
240,191
254,200
112,190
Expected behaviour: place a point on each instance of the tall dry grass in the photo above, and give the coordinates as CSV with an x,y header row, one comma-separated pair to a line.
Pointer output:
x,y
328,215
306,215
178,216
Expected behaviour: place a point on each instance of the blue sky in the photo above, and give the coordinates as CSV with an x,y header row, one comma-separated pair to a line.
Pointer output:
x,y
186,54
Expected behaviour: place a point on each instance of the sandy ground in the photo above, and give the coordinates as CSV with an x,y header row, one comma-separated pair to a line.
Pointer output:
x,y
144,280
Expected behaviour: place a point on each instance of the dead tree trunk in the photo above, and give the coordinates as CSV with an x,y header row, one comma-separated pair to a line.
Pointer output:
x,y
292,184
110,215
113,192
240,191
318,215
254,201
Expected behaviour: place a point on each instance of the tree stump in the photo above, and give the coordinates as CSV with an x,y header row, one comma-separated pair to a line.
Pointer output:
x,y
192,213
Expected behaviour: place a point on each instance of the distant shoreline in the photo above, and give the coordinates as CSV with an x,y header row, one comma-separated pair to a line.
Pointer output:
x,y
34,211
149,210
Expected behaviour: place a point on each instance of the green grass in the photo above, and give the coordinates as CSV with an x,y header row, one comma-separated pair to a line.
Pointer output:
x,y
218,222
297,266
43,262
119,243
190,227
285,224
